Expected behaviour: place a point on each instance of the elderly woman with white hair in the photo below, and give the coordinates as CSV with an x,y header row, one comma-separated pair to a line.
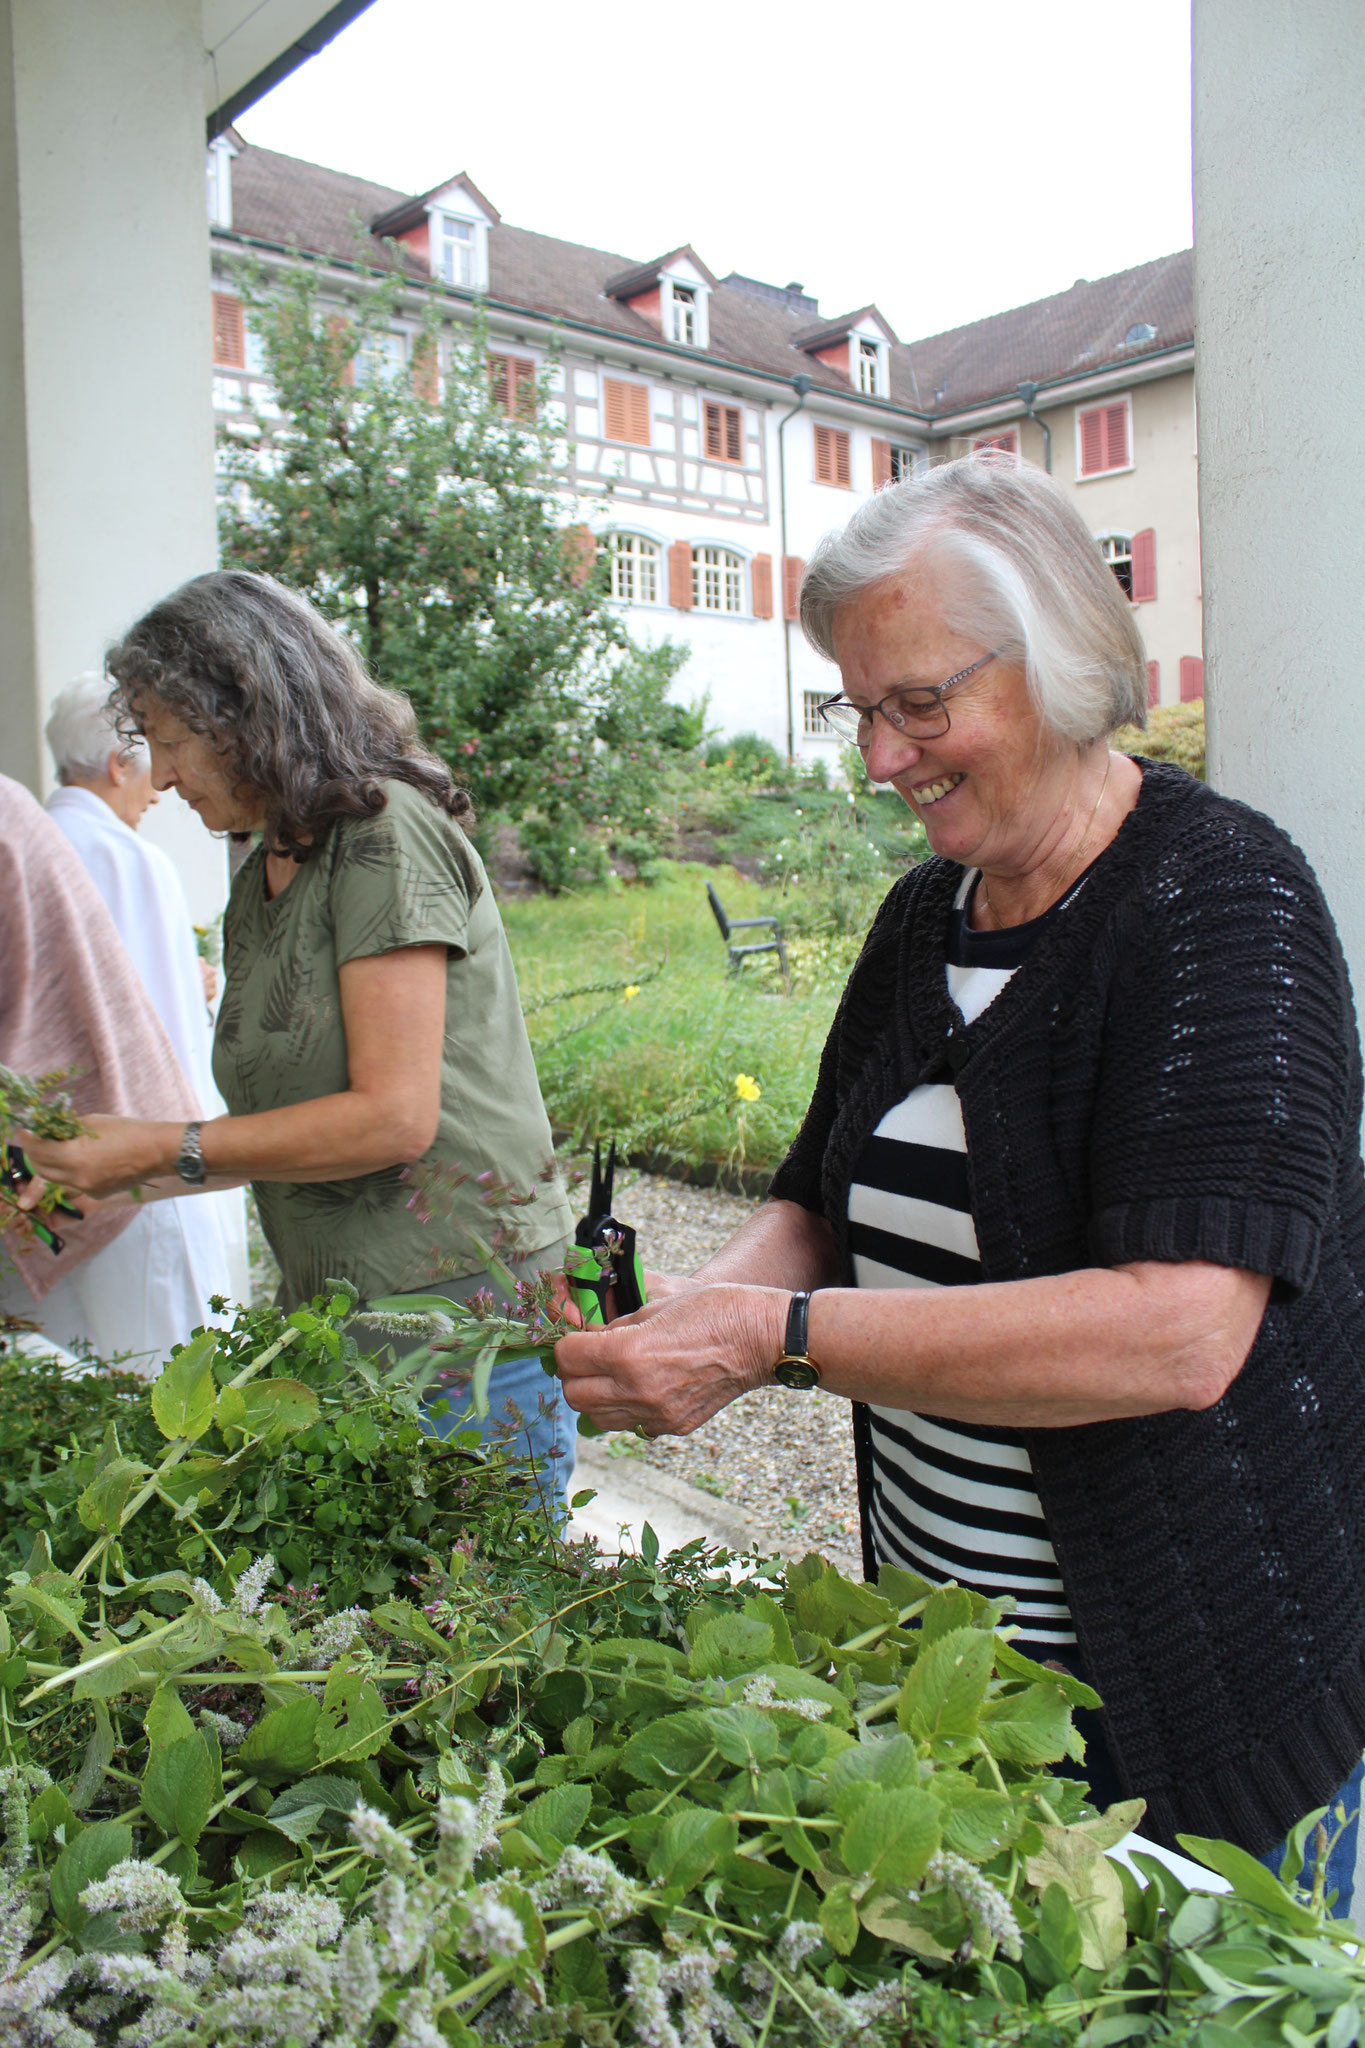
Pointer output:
x,y
1076,1218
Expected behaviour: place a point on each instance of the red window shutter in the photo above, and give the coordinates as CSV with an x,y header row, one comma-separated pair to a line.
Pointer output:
x,y
881,463
639,414
734,446
229,331
1006,443
499,383
523,406
626,409
843,460
680,576
761,579
793,569
824,455
1092,443
712,416
426,370
580,553
614,409
1191,678
1116,436
1144,566
1153,684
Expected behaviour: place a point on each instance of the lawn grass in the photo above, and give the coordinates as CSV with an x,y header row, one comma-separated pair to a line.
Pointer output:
x,y
657,1070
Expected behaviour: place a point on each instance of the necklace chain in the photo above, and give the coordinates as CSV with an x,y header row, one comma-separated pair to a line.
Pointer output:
x,y
1077,850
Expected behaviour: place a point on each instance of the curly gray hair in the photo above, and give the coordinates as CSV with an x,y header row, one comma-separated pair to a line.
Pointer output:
x,y
1026,578
283,698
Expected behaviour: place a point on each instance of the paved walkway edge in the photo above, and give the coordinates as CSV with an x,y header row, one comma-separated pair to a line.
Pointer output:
x,y
637,1486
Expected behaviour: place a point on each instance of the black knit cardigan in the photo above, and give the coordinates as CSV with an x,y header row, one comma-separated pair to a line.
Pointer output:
x,y
1173,1073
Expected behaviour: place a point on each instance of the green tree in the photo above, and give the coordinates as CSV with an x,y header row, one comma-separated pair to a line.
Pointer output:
x,y
427,523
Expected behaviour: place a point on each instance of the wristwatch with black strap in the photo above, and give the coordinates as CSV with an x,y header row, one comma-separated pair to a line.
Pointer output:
x,y
796,1368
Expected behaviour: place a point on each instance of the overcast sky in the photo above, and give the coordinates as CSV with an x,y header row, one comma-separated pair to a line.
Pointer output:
x,y
942,158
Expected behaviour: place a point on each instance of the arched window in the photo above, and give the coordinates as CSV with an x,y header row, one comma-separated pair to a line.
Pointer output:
x,y
634,567
717,580
1117,549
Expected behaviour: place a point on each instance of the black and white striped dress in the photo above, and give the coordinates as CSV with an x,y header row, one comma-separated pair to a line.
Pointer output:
x,y
950,1500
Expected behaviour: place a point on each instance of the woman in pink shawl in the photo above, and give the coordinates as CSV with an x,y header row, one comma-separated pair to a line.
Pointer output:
x,y
71,999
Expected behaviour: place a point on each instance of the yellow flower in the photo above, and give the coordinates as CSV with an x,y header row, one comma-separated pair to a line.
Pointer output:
x,y
746,1088
632,991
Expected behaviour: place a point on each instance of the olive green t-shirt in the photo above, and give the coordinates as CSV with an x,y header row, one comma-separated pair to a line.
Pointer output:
x,y
407,877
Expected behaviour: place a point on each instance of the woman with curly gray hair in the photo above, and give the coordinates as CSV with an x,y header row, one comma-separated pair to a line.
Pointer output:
x,y
369,1019
1076,1219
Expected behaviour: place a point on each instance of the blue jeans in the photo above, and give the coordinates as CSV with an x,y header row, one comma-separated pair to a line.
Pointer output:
x,y
526,1411
1341,1859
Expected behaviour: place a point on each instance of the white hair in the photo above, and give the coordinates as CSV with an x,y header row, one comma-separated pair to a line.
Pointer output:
x,y
1026,579
82,732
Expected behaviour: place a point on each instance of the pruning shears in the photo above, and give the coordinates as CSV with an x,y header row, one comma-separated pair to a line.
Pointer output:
x,y
603,1254
16,1173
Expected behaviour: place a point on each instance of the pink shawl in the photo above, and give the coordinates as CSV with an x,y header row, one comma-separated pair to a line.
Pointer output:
x,y
71,998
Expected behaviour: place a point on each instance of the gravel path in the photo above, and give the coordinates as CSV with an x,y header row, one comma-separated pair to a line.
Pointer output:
x,y
786,1459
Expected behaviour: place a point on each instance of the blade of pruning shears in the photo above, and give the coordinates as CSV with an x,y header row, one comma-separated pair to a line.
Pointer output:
x,y
603,1258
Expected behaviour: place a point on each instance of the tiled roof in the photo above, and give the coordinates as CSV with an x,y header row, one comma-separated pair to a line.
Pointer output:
x,y
281,200
1068,335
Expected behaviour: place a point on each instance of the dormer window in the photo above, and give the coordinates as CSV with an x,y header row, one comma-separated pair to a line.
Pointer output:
x,y
869,368
684,299
458,250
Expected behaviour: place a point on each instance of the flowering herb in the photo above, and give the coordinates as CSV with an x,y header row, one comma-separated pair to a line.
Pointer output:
x,y
528,1797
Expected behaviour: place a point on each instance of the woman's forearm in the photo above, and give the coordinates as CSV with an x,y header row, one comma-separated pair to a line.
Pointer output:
x,y
781,1245
335,1137
1098,1345
1092,1346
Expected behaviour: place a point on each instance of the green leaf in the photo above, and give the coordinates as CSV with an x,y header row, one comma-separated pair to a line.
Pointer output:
x,y
944,1689
48,1812
166,1720
92,1855
1032,1727
263,1853
556,1818
183,1397
102,1504
1250,1880
950,1608
353,1722
743,1735
283,1742
666,1751
758,1607
268,1408
99,1751
729,1646
179,1787
1012,1663
976,1823
1059,1930
839,1919
1074,1862
689,1845
403,1620
892,1761
833,1607
301,1809
891,1837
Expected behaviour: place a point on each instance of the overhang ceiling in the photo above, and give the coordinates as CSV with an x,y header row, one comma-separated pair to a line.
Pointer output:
x,y
250,45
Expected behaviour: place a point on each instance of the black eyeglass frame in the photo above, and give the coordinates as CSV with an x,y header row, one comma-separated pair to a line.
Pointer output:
x,y
936,691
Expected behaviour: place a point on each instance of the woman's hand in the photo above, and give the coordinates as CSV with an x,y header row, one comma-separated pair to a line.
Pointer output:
x,y
117,1153
669,1367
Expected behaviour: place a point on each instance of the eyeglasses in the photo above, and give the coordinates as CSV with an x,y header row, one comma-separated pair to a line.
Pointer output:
x,y
916,714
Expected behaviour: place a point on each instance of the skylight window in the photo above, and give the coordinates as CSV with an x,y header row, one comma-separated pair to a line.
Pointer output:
x,y
1140,331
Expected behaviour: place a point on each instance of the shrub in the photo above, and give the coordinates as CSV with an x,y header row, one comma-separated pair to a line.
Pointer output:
x,y
1175,732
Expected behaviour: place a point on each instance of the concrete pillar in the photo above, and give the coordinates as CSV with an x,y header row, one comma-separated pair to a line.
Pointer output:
x,y
106,425
1279,241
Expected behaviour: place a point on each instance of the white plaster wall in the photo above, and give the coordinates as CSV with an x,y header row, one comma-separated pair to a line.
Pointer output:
x,y
106,432
1279,170
1161,490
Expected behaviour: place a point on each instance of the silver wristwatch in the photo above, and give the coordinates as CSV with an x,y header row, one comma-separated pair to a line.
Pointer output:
x,y
189,1162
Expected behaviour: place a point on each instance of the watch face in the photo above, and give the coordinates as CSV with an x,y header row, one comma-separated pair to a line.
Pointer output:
x,y
798,1373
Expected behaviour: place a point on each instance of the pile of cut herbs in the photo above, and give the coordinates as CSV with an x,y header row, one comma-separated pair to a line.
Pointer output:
x,y
316,1730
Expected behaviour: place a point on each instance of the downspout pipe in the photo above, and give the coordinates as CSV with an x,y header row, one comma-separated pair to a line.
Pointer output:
x,y
801,386
1028,393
